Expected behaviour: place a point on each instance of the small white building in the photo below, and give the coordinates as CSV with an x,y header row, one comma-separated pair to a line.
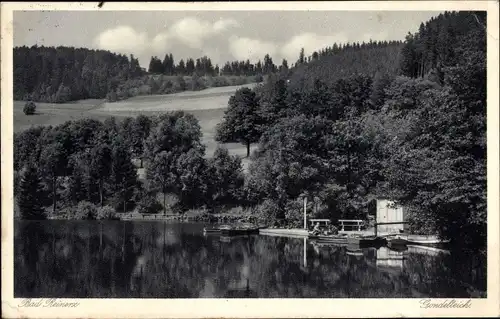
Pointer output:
x,y
390,218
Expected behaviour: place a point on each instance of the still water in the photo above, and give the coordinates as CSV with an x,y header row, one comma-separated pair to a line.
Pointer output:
x,y
80,259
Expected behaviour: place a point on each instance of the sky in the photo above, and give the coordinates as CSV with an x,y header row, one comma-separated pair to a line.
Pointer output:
x,y
220,35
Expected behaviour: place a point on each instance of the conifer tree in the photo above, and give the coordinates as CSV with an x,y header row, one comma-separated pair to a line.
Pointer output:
x,y
123,179
31,194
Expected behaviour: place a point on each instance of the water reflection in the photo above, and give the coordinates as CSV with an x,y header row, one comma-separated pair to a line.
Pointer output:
x,y
160,260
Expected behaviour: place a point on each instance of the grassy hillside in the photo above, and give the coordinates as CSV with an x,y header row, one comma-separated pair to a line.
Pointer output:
x,y
207,106
153,84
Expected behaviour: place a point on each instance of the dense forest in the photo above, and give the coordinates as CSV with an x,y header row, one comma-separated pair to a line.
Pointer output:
x,y
337,62
63,74
343,140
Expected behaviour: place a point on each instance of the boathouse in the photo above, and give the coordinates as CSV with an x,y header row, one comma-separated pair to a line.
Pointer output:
x,y
390,218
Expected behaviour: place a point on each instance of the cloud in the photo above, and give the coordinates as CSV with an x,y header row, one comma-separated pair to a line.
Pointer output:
x,y
189,31
126,40
224,24
160,43
310,42
122,39
243,48
193,32
253,49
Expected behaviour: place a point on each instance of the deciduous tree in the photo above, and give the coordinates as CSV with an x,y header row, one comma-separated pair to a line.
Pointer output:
x,y
242,122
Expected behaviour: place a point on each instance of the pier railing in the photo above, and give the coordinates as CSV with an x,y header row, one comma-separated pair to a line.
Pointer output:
x,y
352,224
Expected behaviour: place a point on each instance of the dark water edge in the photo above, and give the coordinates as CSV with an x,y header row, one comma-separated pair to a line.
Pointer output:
x,y
148,259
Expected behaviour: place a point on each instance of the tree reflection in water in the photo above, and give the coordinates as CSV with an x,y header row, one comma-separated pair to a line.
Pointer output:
x,y
153,259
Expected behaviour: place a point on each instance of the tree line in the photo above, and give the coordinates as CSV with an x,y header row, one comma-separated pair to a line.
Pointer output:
x,y
62,74
203,67
70,168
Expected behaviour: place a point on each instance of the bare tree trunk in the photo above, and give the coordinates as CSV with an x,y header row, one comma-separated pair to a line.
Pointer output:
x,y
54,179
248,148
348,170
100,191
164,204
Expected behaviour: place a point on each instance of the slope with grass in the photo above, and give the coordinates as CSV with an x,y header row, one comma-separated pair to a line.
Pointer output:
x,y
207,106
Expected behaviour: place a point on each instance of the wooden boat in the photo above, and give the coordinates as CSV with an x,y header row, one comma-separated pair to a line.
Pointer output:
x,y
425,240
237,232
216,230
242,229
372,241
397,248
211,231
369,241
329,239
396,241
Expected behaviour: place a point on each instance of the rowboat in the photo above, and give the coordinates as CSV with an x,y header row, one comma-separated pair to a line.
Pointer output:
x,y
368,241
329,239
391,242
211,231
216,230
426,240
240,229
397,247
372,241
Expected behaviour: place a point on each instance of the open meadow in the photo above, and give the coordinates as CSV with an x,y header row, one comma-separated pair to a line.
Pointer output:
x,y
207,106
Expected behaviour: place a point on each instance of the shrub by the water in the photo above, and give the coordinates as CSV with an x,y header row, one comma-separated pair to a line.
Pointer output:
x,y
85,211
294,213
148,205
29,108
267,211
106,213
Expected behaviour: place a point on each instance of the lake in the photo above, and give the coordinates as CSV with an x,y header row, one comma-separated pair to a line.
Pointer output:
x,y
116,259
